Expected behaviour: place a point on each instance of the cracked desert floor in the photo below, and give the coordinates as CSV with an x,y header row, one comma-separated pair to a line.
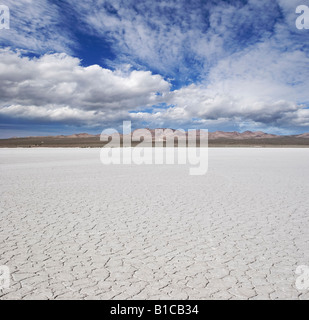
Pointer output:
x,y
73,228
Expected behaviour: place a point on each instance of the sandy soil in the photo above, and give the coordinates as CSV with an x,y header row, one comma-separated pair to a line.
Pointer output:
x,y
72,228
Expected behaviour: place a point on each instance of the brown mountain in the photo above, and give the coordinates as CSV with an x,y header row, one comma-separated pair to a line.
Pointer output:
x,y
211,135
221,134
304,135
216,139
80,135
240,136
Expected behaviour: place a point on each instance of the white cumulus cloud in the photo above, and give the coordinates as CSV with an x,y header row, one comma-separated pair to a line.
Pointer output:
x,y
57,87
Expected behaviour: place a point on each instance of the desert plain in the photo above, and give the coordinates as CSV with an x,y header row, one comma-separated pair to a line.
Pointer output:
x,y
73,228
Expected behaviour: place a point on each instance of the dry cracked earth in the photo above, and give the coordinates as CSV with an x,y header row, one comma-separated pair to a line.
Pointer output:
x,y
73,228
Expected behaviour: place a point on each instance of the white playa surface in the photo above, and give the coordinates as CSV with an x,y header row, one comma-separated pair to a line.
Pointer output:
x,y
72,228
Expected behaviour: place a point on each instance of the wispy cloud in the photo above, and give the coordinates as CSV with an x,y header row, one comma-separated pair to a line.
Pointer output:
x,y
37,26
184,39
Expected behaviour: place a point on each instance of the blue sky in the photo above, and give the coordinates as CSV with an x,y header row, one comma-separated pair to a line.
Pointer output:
x,y
84,66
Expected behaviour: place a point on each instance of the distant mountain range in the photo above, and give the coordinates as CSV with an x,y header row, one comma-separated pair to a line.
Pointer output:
x,y
211,135
251,135
215,139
